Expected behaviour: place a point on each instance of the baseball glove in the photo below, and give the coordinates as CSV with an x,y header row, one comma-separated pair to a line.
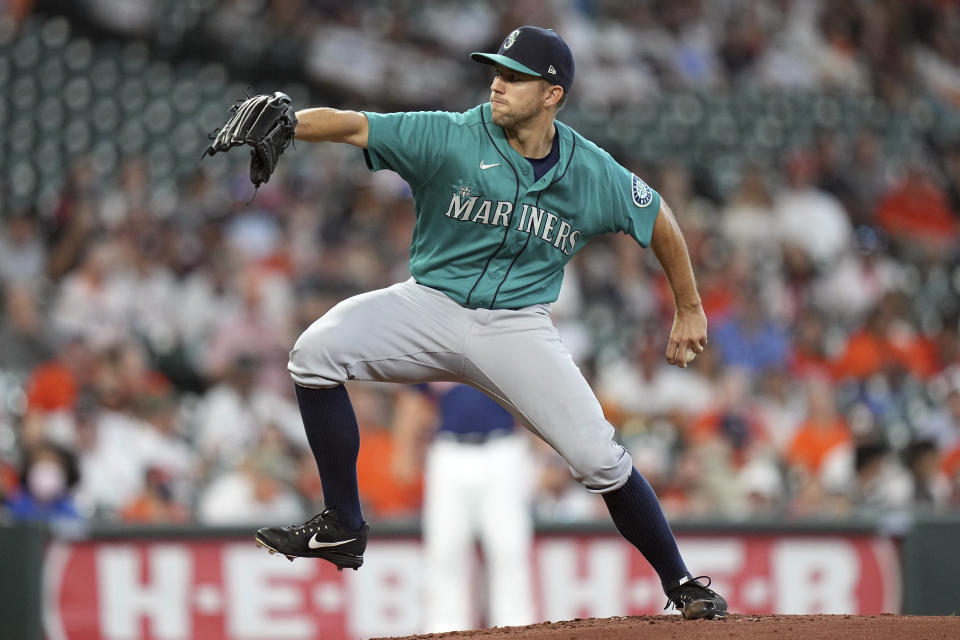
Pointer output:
x,y
266,123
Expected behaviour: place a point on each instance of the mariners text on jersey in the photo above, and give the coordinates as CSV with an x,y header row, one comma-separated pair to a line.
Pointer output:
x,y
543,224
487,233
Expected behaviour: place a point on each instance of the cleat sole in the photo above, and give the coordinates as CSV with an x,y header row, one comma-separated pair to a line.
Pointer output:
x,y
340,560
703,611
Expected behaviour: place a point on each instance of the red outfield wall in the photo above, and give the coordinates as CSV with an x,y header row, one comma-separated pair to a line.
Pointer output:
x,y
228,589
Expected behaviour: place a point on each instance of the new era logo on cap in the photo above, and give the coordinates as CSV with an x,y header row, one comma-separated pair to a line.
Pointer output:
x,y
534,51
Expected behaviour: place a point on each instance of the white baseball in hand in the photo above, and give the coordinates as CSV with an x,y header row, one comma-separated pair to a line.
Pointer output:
x,y
691,354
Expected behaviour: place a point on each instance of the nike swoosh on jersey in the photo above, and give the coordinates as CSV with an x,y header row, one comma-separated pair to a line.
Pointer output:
x,y
488,166
313,544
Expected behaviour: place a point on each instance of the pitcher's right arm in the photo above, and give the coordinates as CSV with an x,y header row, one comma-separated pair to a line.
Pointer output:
x,y
322,124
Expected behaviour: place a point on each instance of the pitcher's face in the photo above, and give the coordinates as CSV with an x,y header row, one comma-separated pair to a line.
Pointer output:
x,y
516,97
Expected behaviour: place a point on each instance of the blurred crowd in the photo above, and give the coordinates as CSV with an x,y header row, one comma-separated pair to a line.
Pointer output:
x,y
144,334
626,51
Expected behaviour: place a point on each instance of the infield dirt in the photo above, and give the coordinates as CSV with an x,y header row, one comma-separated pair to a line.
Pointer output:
x,y
826,627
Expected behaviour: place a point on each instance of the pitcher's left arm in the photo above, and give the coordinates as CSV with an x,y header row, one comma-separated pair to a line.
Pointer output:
x,y
689,321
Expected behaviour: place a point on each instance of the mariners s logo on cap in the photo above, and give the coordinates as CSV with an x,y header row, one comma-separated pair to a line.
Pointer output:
x,y
511,39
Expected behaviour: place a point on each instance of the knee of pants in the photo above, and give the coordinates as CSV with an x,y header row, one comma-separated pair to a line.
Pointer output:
x,y
601,468
315,359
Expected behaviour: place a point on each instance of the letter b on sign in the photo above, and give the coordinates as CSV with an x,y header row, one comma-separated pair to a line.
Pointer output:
x,y
815,576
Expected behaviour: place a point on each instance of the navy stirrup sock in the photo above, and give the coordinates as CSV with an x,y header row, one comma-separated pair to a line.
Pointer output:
x,y
334,438
639,518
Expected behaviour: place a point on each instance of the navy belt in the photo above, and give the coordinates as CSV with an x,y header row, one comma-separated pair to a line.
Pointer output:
x,y
473,437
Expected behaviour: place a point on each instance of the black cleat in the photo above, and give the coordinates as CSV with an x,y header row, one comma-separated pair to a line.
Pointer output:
x,y
320,537
695,601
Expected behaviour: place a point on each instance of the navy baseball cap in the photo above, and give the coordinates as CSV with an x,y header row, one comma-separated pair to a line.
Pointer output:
x,y
536,52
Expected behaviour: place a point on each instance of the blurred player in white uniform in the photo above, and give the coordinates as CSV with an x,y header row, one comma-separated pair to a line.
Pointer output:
x,y
477,465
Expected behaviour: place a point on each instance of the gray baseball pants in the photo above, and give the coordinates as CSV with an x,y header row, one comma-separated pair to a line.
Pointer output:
x,y
410,333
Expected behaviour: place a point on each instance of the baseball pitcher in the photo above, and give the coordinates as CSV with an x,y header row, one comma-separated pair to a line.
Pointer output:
x,y
504,196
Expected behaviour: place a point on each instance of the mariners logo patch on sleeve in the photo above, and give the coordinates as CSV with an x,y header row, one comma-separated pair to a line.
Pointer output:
x,y
642,194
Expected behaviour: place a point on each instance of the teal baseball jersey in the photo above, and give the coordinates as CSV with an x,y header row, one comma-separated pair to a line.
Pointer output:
x,y
486,233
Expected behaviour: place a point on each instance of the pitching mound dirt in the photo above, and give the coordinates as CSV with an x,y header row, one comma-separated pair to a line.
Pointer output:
x,y
883,627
